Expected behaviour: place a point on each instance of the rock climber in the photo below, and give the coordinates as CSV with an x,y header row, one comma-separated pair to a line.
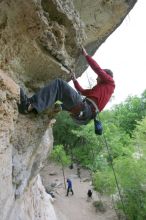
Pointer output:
x,y
81,110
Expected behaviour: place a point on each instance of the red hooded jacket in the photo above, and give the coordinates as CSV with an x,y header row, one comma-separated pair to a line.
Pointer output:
x,y
102,92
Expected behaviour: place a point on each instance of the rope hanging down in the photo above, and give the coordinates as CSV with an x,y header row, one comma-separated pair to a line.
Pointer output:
x,y
116,180
111,161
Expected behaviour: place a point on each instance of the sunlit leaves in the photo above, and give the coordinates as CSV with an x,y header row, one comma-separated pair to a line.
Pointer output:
x,y
59,155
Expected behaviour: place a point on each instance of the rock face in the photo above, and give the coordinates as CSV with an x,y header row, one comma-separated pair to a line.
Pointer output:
x,y
35,204
39,41
39,38
24,145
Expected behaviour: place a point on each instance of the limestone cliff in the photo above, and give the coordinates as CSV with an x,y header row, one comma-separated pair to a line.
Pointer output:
x,y
39,41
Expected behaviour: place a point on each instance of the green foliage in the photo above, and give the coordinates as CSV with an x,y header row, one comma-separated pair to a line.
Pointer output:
x,y
125,132
104,181
130,173
132,181
59,155
128,113
128,156
139,137
79,141
63,130
118,140
88,146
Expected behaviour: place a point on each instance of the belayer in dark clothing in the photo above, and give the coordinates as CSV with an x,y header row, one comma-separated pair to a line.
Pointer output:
x,y
81,110
89,195
69,187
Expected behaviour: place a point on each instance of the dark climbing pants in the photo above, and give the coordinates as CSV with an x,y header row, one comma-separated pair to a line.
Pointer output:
x,y
62,91
69,190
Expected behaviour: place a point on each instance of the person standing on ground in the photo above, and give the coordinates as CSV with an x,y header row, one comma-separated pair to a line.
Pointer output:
x,y
69,187
89,195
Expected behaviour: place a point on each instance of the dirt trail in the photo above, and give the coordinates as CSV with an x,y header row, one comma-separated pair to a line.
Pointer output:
x,y
75,207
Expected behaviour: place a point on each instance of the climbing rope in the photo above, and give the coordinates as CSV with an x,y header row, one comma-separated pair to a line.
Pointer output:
x,y
116,180
111,161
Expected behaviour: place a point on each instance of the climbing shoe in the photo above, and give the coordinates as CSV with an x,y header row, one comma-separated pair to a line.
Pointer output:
x,y
24,103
